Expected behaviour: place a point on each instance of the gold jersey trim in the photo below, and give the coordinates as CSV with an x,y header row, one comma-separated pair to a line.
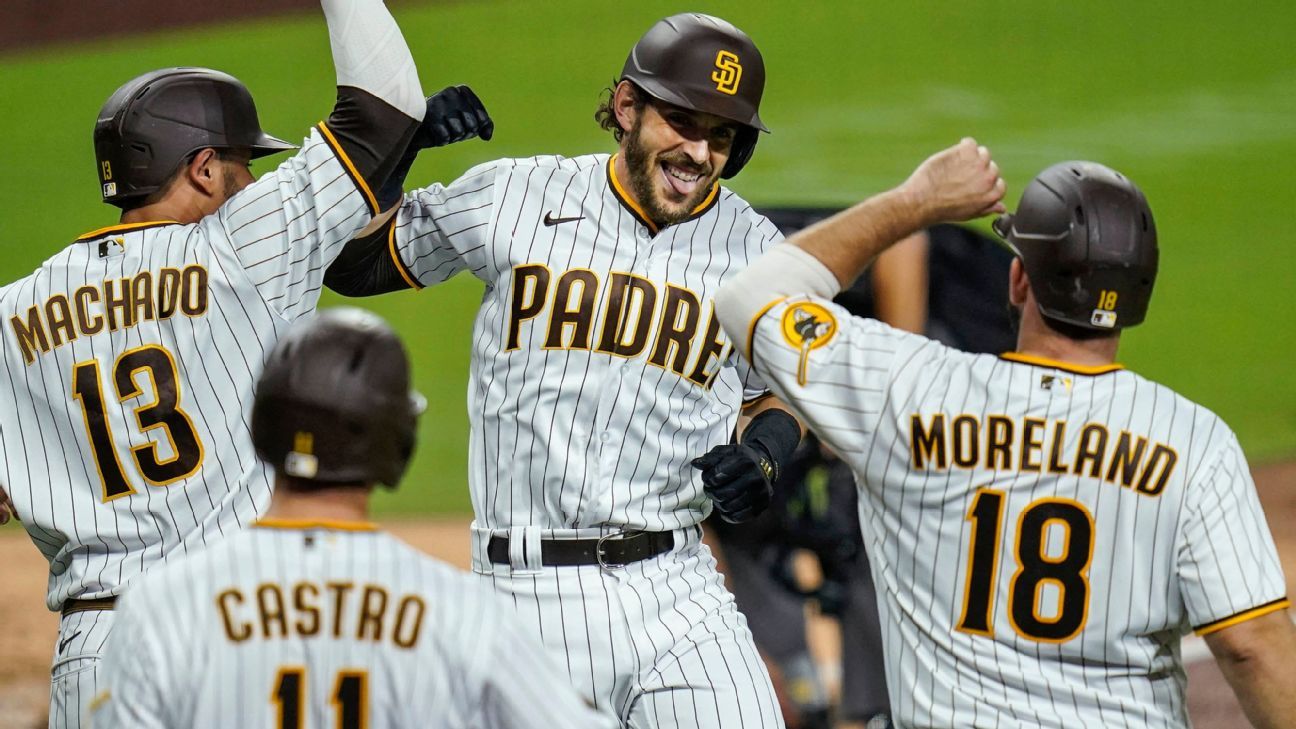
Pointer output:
x,y
1242,617
401,268
755,320
628,202
1060,365
335,524
350,168
125,228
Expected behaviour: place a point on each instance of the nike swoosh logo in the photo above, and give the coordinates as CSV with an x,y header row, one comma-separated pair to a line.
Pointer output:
x,y
551,221
64,643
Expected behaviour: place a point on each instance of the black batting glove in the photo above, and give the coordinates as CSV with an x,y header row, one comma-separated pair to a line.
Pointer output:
x,y
739,478
454,114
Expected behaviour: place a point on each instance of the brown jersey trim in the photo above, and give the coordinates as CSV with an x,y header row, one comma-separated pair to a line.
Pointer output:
x,y
125,228
1242,617
350,168
1060,365
401,268
629,204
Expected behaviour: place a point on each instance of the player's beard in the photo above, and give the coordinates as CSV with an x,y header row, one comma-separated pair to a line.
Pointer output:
x,y
644,166
232,186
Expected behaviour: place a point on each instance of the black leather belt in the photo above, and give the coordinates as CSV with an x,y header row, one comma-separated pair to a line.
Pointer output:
x,y
613,550
80,606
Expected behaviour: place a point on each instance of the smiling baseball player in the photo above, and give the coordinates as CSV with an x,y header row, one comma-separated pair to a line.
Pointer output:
x,y
129,357
603,396
1043,525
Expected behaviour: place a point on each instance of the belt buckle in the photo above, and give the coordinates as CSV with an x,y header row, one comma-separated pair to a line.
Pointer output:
x,y
598,552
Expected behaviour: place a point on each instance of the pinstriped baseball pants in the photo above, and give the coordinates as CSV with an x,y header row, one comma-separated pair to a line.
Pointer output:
x,y
658,643
74,678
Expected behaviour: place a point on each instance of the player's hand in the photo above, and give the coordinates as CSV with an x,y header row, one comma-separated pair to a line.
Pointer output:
x,y
739,479
957,184
454,114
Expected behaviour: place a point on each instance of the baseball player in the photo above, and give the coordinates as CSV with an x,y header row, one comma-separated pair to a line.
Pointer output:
x,y
129,357
1043,525
949,282
315,617
603,396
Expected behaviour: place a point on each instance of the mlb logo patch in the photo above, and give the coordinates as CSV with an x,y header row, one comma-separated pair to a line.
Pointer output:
x,y
112,247
1104,319
109,189
1047,382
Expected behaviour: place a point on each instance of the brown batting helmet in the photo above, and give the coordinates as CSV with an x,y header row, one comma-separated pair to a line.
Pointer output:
x,y
703,63
150,125
334,403
1086,236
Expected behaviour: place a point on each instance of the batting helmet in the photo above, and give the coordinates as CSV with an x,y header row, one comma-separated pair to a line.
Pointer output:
x,y
150,125
703,63
334,403
1085,234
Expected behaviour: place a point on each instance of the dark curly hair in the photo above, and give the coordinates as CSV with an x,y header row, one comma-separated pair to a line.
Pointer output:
x,y
605,114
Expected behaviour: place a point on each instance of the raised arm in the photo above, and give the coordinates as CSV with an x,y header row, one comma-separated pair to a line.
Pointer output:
x,y
370,263
956,184
380,102
287,227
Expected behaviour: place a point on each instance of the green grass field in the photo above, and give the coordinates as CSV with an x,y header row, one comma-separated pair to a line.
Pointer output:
x,y
1195,100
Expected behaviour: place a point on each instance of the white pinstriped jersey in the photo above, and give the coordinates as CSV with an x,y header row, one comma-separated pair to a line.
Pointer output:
x,y
1042,534
319,624
599,369
129,361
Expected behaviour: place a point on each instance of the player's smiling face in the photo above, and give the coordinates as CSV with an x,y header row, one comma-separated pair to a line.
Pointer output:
x,y
673,157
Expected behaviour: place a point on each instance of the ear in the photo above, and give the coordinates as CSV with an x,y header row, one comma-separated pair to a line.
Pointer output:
x,y
1018,283
204,173
623,103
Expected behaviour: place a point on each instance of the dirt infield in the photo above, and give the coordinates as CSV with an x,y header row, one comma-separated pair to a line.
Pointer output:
x,y
28,630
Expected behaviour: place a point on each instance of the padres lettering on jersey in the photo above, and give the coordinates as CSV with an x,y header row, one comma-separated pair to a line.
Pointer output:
x,y
130,358
325,624
627,316
1062,525
599,369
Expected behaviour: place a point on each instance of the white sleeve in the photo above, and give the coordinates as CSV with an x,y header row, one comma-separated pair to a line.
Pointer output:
x,y
525,688
784,270
1228,566
287,227
767,238
370,54
131,675
835,372
441,230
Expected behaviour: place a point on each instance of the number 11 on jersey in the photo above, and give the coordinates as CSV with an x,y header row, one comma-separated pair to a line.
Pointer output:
x,y
1067,572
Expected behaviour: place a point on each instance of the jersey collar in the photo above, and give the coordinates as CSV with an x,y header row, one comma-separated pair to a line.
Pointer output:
x,y
1060,365
629,204
334,524
125,228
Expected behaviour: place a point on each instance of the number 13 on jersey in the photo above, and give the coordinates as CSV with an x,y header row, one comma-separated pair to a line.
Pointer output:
x,y
162,414
1053,547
